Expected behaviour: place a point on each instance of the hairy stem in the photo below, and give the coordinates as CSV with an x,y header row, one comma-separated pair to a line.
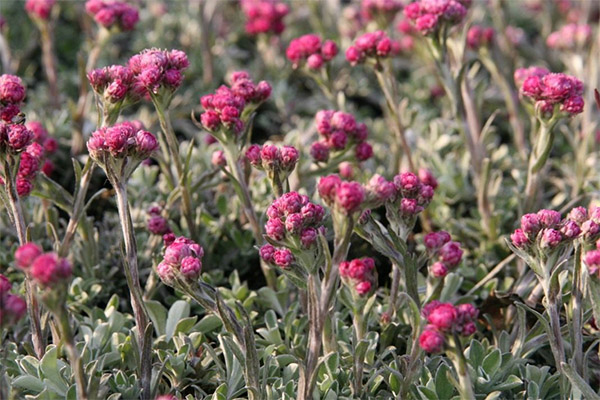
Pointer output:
x,y
460,364
135,290
74,358
49,62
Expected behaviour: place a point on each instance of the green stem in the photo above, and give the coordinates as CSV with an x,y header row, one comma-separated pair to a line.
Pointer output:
x,y
537,160
315,321
173,150
577,311
131,273
460,364
74,358
359,332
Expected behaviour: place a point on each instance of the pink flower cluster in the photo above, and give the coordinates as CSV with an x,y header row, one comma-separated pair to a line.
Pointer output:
x,y
547,230
225,107
372,45
347,197
444,319
116,83
478,36
42,147
358,275
570,37
549,90
411,192
113,13
446,253
310,49
126,139
157,224
47,269
12,94
154,69
264,16
430,15
295,223
14,138
182,256
340,132
272,158
39,8
385,10
592,260
12,307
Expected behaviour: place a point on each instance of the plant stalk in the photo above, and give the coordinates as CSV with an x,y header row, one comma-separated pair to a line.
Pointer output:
x,y
74,358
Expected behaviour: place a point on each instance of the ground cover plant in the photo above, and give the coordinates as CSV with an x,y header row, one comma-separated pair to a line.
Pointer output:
x,y
271,199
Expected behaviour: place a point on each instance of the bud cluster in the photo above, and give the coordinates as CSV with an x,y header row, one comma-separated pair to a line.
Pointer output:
x,y
225,108
264,16
310,49
345,197
113,13
12,307
570,37
154,69
358,275
429,16
478,36
273,159
40,9
340,133
157,224
445,253
372,46
12,94
126,139
546,230
380,10
549,90
115,84
47,269
183,259
446,319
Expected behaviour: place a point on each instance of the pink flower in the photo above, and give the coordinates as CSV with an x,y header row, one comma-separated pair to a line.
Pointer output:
x,y
427,178
191,267
578,214
570,229
443,316
549,218
12,309
253,155
26,255
427,23
39,8
48,269
407,182
275,229
308,237
19,137
435,240
329,50
12,90
264,16
438,270
573,105
431,340
519,239
176,252
592,260
210,120
312,213
530,224
363,151
354,55
319,151
289,158
349,196
5,285
551,238
283,258
166,273
267,253
218,158
24,187
146,144
327,187
363,288
158,225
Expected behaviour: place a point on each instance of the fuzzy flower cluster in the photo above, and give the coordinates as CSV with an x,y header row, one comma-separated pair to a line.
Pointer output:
x,y
592,260
550,90
157,224
126,139
14,138
372,46
546,230
113,13
154,69
570,37
446,319
409,193
429,16
340,133
35,155
264,16
273,159
225,107
380,10
12,94
358,275
294,224
312,50
12,307
478,36
40,9
116,84
441,249
183,258
345,197
47,269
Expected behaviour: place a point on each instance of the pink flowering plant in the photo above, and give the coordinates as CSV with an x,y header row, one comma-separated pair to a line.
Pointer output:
x,y
276,199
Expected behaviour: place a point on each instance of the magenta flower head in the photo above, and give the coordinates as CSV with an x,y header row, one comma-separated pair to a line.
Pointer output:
x,y
12,309
431,340
382,11
530,225
264,16
327,188
370,46
478,36
349,197
26,255
519,239
549,218
158,225
551,238
570,37
429,16
40,9
12,93
267,252
49,270
113,14
443,316
358,275
592,260
182,259
435,240
309,49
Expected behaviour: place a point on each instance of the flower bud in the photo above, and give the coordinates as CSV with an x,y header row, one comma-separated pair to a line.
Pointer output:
x,y
431,340
26,255
190,267
283,258
443,316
